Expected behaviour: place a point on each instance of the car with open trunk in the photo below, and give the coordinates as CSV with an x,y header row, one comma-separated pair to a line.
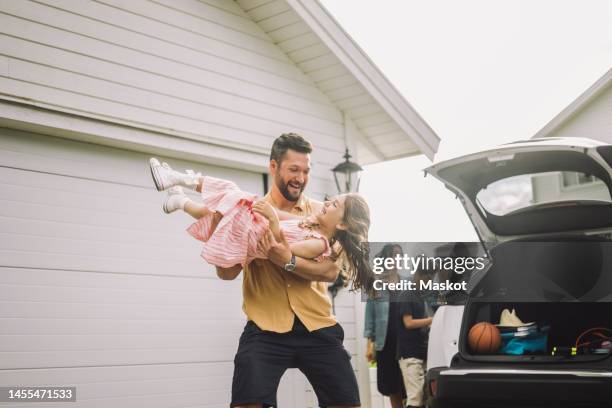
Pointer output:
x,y
542,209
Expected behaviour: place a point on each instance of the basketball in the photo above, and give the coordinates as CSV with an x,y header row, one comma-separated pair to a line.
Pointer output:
x,y
484,338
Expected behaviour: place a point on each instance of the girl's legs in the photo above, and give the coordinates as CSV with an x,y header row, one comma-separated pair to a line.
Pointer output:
x,y
166,177
196,210
200,184
177,200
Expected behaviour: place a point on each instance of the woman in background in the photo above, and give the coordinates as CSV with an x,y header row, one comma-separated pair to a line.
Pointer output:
x,y
381,328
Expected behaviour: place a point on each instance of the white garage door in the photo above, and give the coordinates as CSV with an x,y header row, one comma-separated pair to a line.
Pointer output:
x,y
102,290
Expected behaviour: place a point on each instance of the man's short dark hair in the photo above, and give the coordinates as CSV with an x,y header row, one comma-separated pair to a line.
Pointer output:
x,y
289,141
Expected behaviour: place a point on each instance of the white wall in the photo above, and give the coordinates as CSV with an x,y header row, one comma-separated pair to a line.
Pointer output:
x,y
197,70
549,188
205,72
99,289
593,121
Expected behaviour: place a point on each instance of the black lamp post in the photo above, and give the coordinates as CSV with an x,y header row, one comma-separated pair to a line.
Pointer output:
x,y
347,175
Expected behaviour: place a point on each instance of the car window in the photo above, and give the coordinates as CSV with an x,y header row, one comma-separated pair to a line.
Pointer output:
x,y
512,194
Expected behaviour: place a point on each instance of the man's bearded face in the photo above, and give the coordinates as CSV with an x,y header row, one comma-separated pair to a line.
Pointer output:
x,y
291,176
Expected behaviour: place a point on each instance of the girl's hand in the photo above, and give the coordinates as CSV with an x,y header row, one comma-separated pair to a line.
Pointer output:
x,y
265,209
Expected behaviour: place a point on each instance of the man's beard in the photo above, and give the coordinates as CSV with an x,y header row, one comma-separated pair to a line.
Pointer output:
x,y
284,189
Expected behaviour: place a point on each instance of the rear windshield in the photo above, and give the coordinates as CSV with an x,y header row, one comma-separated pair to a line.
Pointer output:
x,y
513,194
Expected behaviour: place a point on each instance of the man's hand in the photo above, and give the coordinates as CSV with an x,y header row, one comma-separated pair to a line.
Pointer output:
x,y
278,252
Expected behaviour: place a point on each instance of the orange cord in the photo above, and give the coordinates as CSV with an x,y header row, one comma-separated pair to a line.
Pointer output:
x,y
588,331
598,334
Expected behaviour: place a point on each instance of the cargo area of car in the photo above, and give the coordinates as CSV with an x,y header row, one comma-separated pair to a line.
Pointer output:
x,y
561,330
561,295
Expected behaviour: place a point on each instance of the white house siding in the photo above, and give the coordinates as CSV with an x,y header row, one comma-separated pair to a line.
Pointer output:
x,y
550,187
91,292
99,288
182,66
593,121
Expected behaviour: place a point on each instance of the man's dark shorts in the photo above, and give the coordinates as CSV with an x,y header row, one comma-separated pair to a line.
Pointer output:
x,y
263,356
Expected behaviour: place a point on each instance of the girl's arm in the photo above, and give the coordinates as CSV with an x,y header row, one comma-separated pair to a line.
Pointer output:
x,y
265,209
309,248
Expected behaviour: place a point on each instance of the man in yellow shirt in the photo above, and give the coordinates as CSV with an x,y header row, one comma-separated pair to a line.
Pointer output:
x,y
285,299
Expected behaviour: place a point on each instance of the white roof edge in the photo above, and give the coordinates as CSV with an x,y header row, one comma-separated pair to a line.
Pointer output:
x,y
369,76
576,106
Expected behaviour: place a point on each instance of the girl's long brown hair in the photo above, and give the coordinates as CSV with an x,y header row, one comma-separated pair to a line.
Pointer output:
x,y
354,241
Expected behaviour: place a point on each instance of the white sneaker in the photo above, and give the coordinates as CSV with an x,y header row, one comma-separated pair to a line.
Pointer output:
x,y
510,319
165,177
175,200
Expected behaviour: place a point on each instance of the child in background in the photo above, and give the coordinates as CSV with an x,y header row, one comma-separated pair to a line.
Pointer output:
x,y
412,340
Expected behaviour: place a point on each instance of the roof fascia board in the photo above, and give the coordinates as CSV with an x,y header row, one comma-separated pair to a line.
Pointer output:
x,y
576,106
370,77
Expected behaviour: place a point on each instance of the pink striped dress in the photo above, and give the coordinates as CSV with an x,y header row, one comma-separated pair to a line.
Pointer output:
x,y
234,239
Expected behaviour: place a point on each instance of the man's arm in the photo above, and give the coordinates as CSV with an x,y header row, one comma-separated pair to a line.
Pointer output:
x,y
279,253
324,271
229,273
307,249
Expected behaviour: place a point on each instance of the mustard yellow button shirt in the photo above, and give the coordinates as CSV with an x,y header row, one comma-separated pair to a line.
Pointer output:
x,y
273,296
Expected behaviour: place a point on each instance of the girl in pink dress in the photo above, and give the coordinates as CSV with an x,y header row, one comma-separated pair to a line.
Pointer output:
x,y
230,223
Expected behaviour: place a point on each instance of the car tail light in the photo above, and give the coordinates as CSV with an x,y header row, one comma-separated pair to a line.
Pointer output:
x,y
433,387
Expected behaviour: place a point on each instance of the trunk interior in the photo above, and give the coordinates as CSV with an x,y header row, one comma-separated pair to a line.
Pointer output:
x,y
566,322
563,287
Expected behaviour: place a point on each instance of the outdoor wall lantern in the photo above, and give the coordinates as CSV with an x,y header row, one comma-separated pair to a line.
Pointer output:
x,y
347,175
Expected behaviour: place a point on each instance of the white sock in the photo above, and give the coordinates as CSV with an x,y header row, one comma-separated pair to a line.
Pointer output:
x,y
182,201
190,179
175,201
